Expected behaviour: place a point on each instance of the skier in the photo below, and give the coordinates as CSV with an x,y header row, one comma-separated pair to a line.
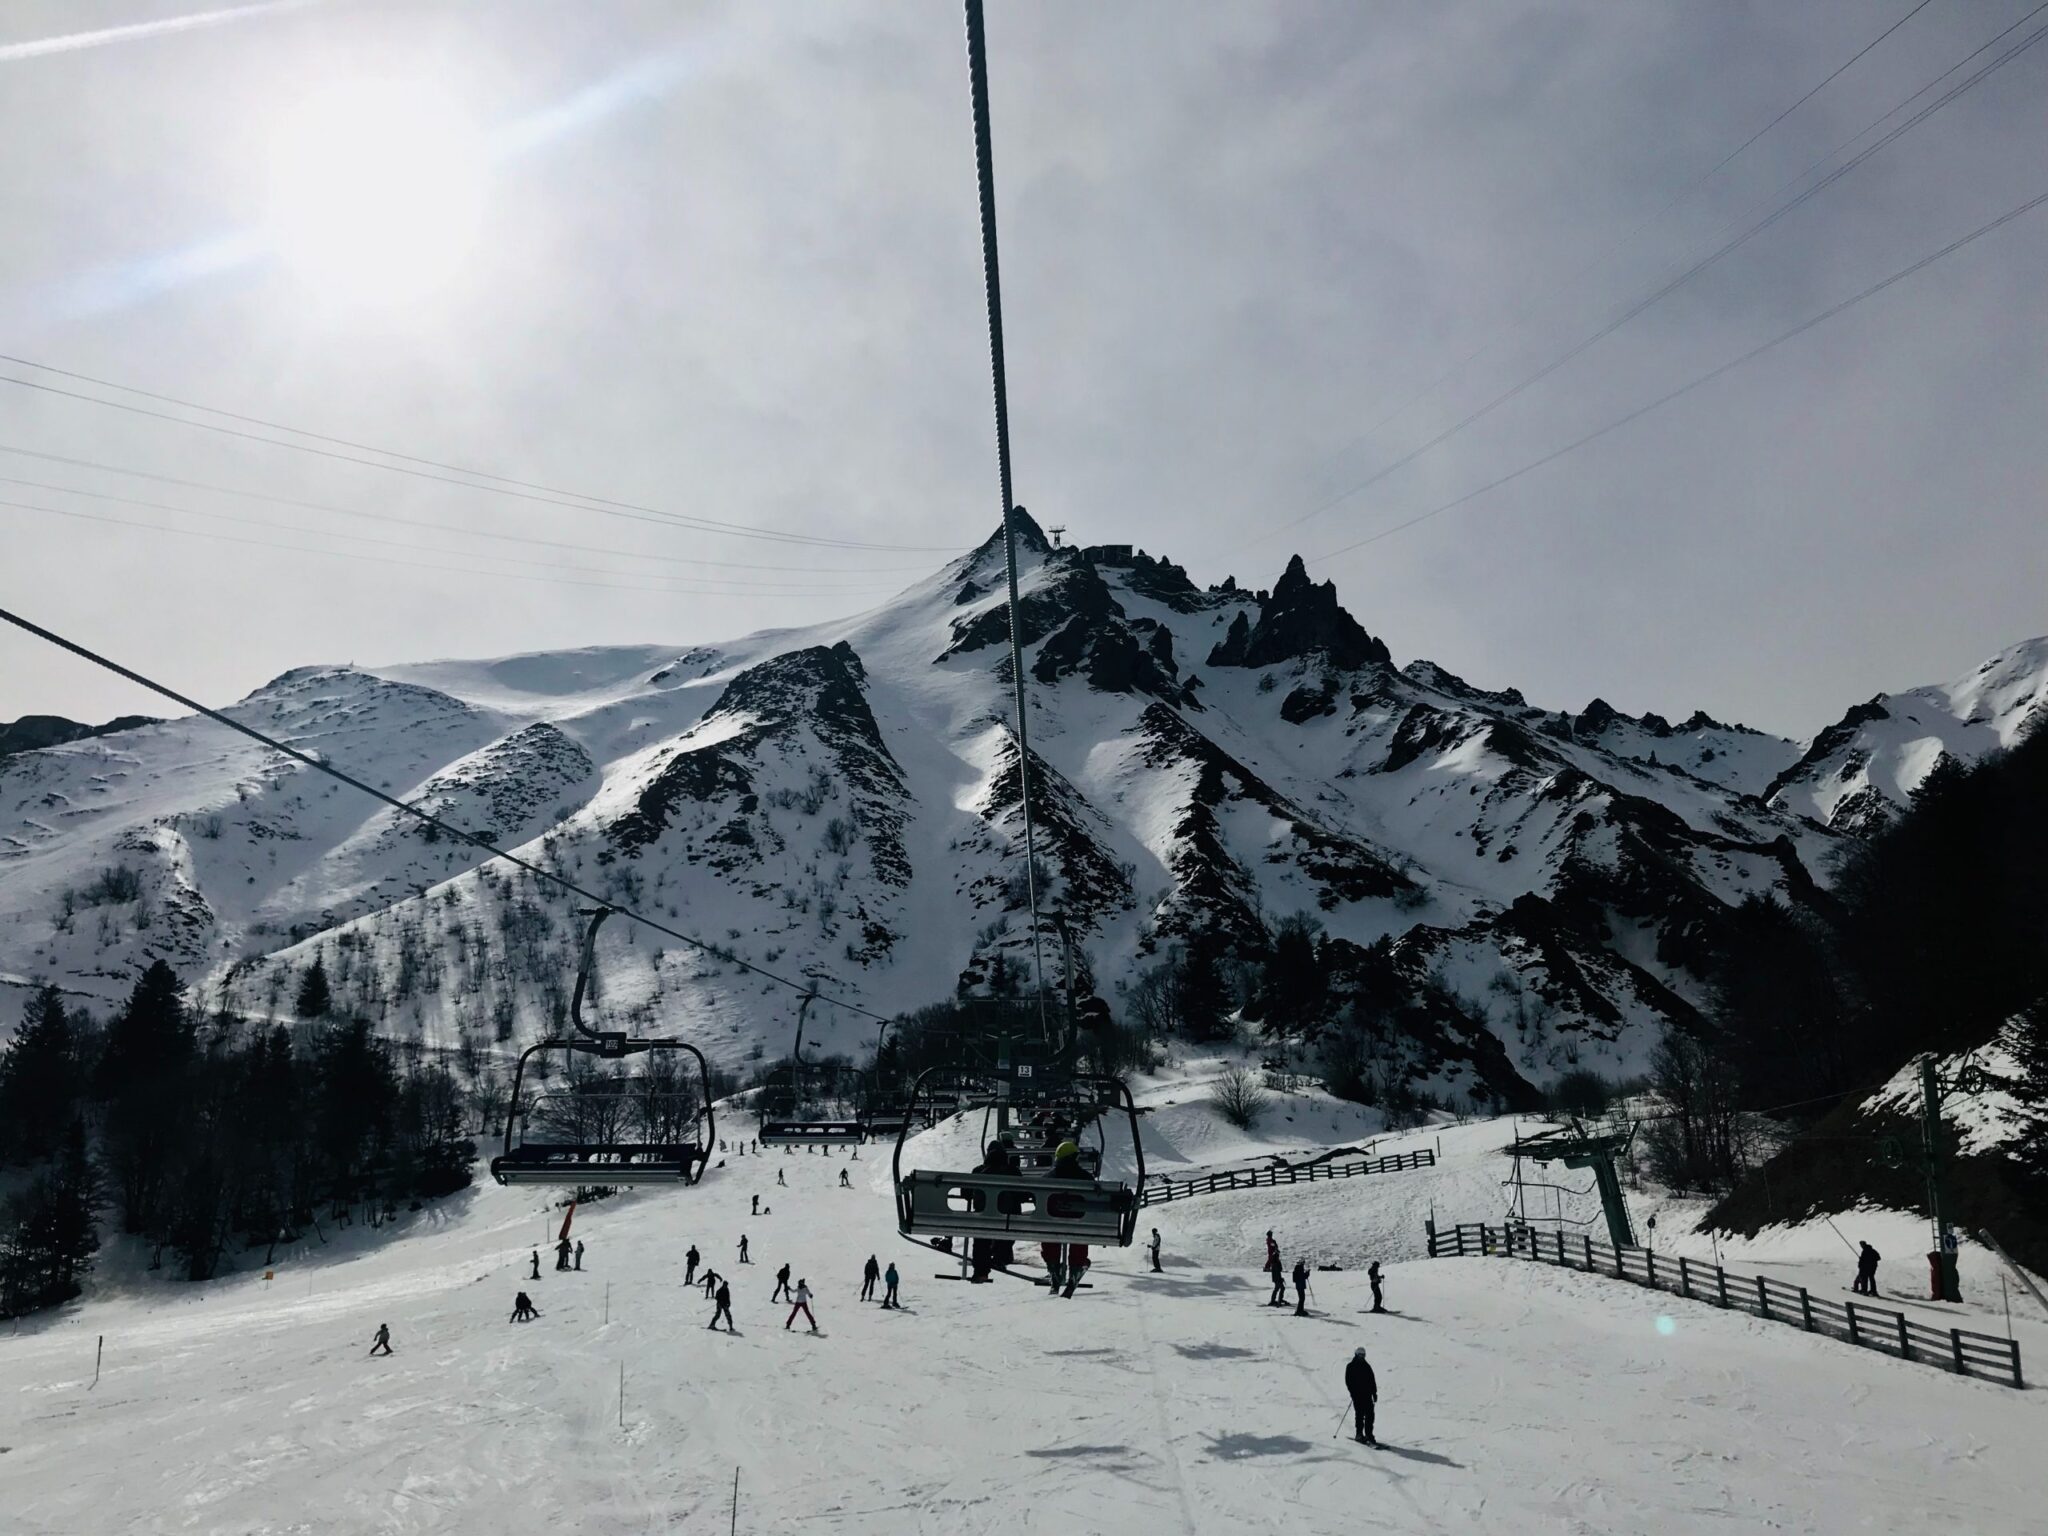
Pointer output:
x,y
724,1308
1866,1271
536,1265
579,1253
781,1284
1066,1164
1155,1251
562,1254
844,1181
523,1309
757,1207
889,1278
711,1280
779,1179
743,1249
803,1305
1372,1273
1364,1388
757,1144
1277,1271
381,1345
690,1265
870,1273
1301,1287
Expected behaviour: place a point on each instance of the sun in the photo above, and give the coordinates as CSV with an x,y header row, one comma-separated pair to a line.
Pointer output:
x,y
377,192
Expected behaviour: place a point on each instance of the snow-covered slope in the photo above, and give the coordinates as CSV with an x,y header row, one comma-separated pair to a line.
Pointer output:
x,y
1857,773
1514,1397
1510,890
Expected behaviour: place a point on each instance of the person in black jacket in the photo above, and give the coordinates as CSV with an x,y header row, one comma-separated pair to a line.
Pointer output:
x,y
1277,1271
1372,1273
536,1265
1301,1287
986,1253
869,1274
1866,1271
724,1308
1364,1388
690,1262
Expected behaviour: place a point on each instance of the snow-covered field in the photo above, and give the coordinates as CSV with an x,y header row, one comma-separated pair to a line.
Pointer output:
x,y
1517,1397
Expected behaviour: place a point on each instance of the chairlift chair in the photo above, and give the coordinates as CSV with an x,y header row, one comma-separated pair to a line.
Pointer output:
x,y
784,1126
670,1159
1024,1207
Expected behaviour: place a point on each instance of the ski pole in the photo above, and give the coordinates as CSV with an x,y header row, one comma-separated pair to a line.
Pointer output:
x,y
1838,1232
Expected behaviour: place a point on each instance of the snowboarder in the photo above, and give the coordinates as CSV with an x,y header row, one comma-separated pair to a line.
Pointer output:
x,y
844,1181
724,1308
1155,1251
1301,1287
562,1254
757,1207
523,1309
381,1345
781,1284
870,1273
1364,1388
1866,1271
536,1265
579,1253
889,1278
690,1265
803,1305
1277,1271
1372,1273
743,1249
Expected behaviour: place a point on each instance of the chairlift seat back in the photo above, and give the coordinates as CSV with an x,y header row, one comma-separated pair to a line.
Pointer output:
x,y
932,1203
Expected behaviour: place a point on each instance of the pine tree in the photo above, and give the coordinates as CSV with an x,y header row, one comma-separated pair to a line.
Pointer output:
x,y
315,1001
39,1080
1199,998
143,1075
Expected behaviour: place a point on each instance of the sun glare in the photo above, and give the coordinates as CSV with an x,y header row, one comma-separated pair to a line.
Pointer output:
x,y
376,192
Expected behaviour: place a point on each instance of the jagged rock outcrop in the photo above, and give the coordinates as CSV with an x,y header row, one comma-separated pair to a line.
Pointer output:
x,y
1299,620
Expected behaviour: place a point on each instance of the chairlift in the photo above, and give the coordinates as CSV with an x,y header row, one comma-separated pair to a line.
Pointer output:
x,y
600,1153
782,1122
1025,1207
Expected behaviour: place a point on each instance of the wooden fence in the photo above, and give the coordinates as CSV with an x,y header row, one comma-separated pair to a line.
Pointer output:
x,y
1166,1190
1955,1349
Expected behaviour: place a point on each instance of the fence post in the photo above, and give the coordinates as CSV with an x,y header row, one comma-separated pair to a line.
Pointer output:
x,y
1651,1256
1587,1239
2013,1347
1721,1276
1763,1297
1905,1339
1854,1336
1684,1278
1620,1266
1806,1308
1485,1241
1955,1338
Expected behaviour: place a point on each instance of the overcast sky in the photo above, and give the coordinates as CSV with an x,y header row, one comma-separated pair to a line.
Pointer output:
x,y
722,261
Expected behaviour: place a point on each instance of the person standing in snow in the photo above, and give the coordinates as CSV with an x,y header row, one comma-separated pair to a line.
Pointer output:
x,y
780,1180
711,1280
523,1309
1364,1388
381,1345
844,1181
1301,1287
562,1254
536,1265
690,1265
1073,1262
870,1273
1866,1271
743,1249
803,1305
1372,1273
757,1207
781,1284
724,1308
889,1278
579,1253
1277,1271
1155,1251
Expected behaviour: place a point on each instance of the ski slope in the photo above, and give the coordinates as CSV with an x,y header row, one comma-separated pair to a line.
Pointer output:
x,y
1516,1397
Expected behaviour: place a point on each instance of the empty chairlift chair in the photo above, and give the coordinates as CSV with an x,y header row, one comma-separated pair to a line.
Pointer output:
x,y
582,1136
783,1123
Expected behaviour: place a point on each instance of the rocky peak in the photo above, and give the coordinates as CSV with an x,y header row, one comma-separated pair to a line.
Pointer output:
x,y
1299,619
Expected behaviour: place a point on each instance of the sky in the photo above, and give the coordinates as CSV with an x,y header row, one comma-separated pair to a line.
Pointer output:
x,y
651,266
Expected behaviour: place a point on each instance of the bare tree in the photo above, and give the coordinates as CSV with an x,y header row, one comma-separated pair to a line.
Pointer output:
x,y
1240,1097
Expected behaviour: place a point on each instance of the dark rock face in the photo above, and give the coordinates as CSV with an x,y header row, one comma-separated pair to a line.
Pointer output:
x,y
1300,619
1827,744
31,733
1310,701
1075,592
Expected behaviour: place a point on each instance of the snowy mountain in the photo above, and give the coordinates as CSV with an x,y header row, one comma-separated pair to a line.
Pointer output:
x,y
1856,773
1505,890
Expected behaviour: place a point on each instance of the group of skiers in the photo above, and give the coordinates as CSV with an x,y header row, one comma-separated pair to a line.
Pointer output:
x,y
1300,1276
565,1253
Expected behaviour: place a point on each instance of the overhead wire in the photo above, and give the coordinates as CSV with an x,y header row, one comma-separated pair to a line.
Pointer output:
x,y
1695,383
1674,284
490,484
442,824
214,488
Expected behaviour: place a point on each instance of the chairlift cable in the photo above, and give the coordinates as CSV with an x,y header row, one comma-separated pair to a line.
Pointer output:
x,y
460,834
